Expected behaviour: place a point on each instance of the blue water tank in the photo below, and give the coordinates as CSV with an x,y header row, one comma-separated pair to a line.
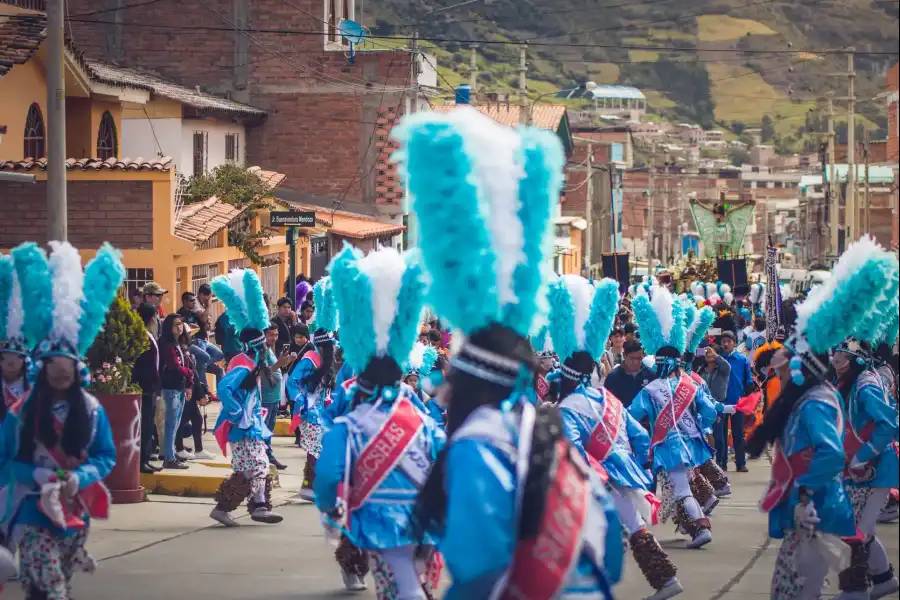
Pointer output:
x,y
463,94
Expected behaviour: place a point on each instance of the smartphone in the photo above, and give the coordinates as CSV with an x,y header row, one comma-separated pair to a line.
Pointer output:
x,y
285,348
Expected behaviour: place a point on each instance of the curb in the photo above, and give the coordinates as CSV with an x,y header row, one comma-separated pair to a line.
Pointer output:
x,y
201,484
283,428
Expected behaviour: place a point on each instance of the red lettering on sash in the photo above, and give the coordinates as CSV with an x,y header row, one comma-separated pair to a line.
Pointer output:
x,y
785,472
541,565
684,395
604,435
542,387
384,451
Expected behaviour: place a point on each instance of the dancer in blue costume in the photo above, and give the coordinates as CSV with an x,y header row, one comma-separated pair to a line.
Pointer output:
x,y
59,447
375,458
806,425
677,409
241,423
596,422
307,385
14,365
483,197
870,435
417,375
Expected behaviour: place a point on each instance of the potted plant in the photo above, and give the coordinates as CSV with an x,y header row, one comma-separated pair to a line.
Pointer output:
x,y
110,361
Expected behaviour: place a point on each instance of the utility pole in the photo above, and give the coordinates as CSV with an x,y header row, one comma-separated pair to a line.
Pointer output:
x,y
652,248
666,233
852,207
525,116
411,107
57,205
830,193
473,74
868,219
589,210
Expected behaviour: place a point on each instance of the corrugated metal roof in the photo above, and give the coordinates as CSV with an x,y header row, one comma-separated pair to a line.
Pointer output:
x,y
113,75
618,91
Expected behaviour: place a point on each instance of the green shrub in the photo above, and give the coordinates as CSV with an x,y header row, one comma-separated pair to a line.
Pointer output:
x,y
122,341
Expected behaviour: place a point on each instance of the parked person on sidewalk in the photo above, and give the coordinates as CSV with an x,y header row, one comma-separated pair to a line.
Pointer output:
x,y
153,294
740,383
176,380
145,373
273,388
59,448
207,355
227,337
283,321
628,379
193,421
240,422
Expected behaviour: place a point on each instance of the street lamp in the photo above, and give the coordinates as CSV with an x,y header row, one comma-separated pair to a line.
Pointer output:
x,y
584,87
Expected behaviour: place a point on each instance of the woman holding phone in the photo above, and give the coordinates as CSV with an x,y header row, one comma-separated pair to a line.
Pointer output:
x,y
273,389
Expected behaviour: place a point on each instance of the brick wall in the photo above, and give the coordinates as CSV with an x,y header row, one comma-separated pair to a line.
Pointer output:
x,y
322,110
118,212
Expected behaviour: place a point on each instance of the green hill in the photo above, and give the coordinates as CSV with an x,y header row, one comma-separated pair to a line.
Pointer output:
x,y
583,40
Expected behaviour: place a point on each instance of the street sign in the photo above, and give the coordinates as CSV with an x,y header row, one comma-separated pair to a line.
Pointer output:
x,y
292,218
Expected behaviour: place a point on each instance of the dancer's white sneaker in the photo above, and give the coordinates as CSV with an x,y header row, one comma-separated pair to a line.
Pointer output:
x,y
223,517
702,538
671,589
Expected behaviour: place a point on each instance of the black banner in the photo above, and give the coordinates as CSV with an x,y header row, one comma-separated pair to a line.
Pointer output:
x,y
615,266
733,271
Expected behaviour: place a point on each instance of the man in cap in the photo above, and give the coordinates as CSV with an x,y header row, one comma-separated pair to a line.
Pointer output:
x,y
153,294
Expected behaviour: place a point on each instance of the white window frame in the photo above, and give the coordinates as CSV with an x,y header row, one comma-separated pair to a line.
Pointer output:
x,y
337,43
236,138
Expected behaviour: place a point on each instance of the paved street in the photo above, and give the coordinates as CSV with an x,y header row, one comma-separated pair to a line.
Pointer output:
x,y
168,548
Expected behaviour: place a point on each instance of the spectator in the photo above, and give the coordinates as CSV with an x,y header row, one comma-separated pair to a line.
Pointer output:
x,y
283,322
136,298
227,337
153,294
206,355
715,371
306,312
630,331
146,374
192,420
272,384
740,383
176,379
615,354
628,379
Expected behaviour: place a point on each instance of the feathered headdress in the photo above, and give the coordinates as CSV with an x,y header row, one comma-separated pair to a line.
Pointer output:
x,y
878,320
697,322
12,313
380,297
242,294
326,312
835,310
542,344
660,321
484,197
582,315
80,298
757,293
421,360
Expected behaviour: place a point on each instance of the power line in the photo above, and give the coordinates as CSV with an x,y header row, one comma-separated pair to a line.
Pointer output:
x,y
117,9
507,42
548,13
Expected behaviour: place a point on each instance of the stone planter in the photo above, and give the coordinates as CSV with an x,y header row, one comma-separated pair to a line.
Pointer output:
x,y
124,414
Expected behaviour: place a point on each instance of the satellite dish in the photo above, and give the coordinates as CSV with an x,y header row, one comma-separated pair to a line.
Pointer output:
x,y
353,32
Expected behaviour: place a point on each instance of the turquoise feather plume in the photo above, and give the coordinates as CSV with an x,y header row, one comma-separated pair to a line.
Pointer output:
x,y
429,359
603,313
410,301
103,277
704,319
690,313
33,271
877,319
6,290
326,308
677,335
446,201
562,320
539,189
539,340
648,324
353,296
889,333
257,311
237,310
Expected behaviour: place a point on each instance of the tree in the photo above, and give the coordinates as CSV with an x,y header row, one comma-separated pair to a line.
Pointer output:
x,y
121,341
738,156
241,188
768,129
738,127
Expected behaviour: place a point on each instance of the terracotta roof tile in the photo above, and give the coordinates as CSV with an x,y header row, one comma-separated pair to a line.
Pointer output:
x,y
271,178
348,224
121,76
92,164
545,116
198,222
20,38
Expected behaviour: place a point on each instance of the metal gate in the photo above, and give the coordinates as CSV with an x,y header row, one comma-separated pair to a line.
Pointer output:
x,y
318,257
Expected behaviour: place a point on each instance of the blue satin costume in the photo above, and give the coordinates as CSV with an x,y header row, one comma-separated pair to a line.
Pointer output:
x,y
240,407
870,403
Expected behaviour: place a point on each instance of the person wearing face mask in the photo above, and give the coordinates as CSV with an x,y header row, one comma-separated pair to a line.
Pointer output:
x,y
59,447
241,423
807,425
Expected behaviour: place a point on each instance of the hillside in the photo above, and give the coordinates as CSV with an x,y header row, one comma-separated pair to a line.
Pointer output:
x,y
699,84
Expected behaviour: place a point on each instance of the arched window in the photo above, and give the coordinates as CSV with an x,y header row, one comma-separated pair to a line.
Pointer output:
x,y
107,142
34,133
